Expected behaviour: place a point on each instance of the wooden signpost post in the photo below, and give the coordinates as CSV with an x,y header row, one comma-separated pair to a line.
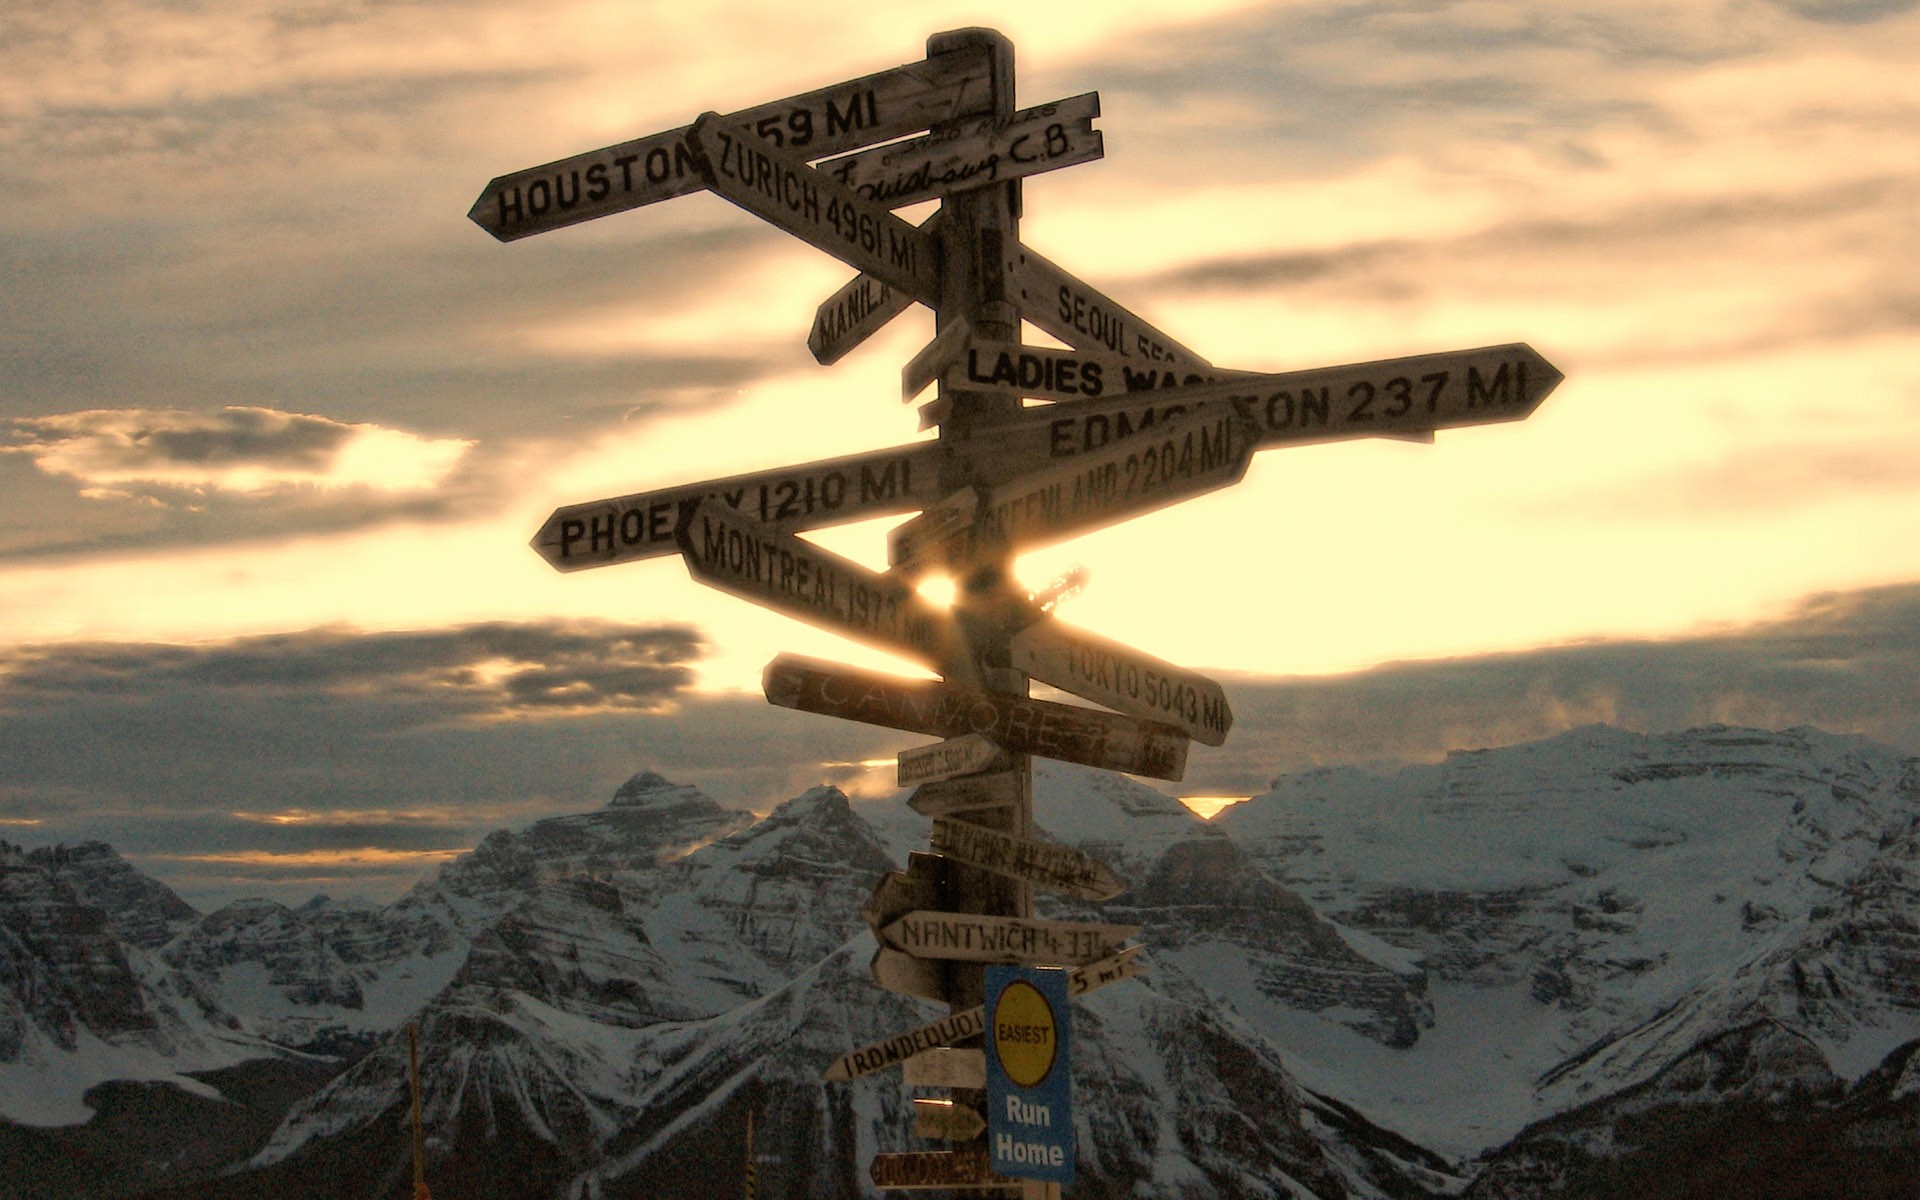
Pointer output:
x,y
1134,420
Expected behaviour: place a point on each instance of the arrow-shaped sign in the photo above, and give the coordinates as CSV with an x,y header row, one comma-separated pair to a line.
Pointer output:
x,y
945,1120
599,533
972,937
845,116
1052,298
1063,731
977,153
926,1041
968,793
1395,397
947,1067
1063,376
922,1169
1197,453
1061,868
1123,678
909,976
728,550
943,760
783,190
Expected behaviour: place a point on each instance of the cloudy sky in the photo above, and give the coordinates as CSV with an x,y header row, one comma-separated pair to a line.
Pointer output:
x,y
277,421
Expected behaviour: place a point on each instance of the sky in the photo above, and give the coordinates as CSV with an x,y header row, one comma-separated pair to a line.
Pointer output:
x,y
277,421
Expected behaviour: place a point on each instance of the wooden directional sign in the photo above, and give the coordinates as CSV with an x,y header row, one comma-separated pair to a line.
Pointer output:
x,y
860,309
600,533
728,550
909,976
1197,453
1050,297
901,892
1067,376
971,937
1394,397
1063,731
974,154
968,793
918,1169
963,755
946,1121
926,366
1061,868
944,1066
919,1048
860,112
1123,678
783,190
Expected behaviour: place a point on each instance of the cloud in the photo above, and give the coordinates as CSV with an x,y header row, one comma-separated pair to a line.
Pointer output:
x,y
167,452
1844,662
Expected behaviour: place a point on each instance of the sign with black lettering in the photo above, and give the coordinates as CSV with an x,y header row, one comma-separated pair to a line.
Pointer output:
x,y
1197,453
921,1051
946,1120
1051,298
968,793
1051,730
599,533
729,550
920,886
1122,678
970,937
1067,376
1396,397
845,116
974,154
861,308
943,760
781,189
919,1169
1044,864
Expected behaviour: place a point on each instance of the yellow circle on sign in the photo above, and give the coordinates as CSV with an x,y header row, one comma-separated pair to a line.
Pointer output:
x,y
1026,1038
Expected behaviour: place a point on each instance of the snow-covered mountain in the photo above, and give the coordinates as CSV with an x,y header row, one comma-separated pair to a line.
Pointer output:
x,y
1591,907
1557,968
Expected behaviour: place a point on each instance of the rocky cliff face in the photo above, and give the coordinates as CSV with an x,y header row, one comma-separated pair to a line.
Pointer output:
x,y
1614,900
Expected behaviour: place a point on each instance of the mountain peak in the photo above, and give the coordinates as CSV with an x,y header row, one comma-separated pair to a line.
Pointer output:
x,y
643,788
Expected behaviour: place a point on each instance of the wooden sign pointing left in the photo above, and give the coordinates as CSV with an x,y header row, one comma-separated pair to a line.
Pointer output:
x,y
844,116
729,550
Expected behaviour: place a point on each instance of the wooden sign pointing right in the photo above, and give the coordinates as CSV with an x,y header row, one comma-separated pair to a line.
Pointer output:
x,y
1045,864
1051,730
783,190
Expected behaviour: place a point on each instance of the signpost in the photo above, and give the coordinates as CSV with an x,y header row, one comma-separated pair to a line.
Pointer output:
x,y
1136,420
